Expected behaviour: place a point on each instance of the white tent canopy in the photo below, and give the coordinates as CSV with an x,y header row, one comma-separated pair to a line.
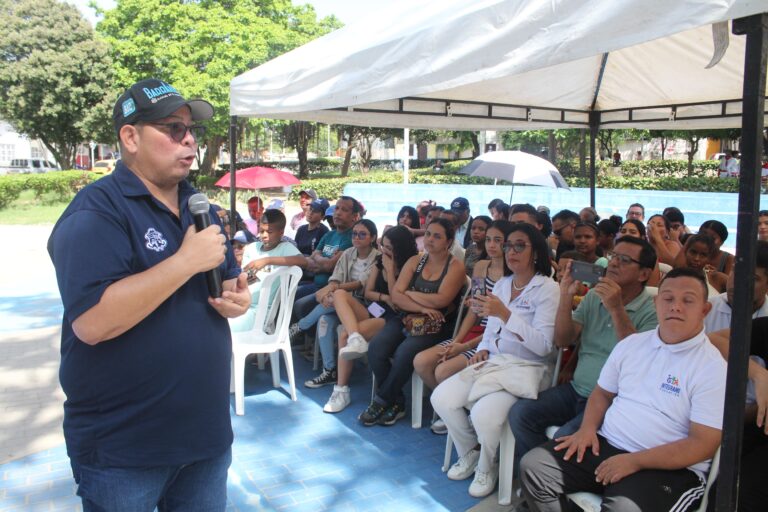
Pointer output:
x,y
513,64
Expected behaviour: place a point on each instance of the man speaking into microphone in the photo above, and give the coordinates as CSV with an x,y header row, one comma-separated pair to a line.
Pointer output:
x,y
145,349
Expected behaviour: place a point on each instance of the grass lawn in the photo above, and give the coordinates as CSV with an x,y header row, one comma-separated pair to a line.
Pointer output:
x,y
28,210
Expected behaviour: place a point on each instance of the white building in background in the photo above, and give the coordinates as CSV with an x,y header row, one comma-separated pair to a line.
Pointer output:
x,y
16,145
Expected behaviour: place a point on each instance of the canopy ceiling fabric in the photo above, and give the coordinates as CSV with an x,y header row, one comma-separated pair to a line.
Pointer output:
x,y
511,64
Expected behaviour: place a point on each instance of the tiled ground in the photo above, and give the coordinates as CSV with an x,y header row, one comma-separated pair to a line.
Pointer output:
x,y
289,456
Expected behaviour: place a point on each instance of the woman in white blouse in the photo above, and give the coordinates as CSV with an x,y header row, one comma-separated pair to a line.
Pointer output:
x,y
514,356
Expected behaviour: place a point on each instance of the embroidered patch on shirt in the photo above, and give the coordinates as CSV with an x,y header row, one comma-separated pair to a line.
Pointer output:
x,y
671,386
155,240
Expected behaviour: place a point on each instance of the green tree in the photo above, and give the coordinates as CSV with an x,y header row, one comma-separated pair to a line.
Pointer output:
x,y
54,76
200,46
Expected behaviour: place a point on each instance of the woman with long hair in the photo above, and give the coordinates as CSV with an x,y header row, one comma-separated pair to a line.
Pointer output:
x,y
397,247
350,274
426,292
448,357
516,350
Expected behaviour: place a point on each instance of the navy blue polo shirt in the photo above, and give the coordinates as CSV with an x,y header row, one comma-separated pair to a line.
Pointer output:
x,y
159,393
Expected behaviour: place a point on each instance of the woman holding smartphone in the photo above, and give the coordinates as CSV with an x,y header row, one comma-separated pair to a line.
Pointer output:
x,y
361,323
516,349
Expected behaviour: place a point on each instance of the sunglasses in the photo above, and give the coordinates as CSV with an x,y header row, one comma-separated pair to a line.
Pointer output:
x,y
178,130
360,235
517,248
622,258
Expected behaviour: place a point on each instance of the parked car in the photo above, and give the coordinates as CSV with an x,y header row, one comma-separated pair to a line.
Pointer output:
x,y
104,166
29,166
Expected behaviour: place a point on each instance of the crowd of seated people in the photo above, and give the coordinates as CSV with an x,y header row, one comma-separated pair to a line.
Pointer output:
x,y
640,397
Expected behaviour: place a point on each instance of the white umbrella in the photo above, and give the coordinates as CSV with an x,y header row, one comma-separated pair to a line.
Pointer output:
x,y
516,167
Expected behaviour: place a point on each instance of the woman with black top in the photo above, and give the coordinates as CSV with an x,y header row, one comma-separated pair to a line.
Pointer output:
x,y
397,247
428,285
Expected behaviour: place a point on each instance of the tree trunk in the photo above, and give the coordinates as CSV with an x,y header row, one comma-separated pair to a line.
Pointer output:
x,y
583,153
364,153
210,161
663,147
475,144
63,154
694,148
552,147
347,159
302,143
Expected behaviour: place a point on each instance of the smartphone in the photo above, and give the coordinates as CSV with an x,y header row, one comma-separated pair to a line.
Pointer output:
x,y
375,310
478,288
586,272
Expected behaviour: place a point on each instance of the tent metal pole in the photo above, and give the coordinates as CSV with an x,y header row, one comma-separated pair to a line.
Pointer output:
x,y
756,29
232,168
406,154
594,125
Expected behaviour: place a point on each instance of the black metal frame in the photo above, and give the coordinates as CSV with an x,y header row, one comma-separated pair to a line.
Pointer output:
x,y
449,107
755,58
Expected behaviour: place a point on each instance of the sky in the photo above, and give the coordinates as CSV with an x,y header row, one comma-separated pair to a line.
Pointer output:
x,y
346,10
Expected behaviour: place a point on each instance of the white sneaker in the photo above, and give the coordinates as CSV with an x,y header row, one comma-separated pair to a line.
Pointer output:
x,y
484,483
439,427
465,466
339,399
356,347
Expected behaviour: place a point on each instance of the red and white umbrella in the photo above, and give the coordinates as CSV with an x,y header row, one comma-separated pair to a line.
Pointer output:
x,y
253,178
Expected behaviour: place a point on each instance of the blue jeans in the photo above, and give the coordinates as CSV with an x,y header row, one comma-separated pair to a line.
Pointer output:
x,y
305,289
392,342
529,419
313,316
200,486
326,338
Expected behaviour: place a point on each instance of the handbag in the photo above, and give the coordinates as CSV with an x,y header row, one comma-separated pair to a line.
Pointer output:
x,y
418,324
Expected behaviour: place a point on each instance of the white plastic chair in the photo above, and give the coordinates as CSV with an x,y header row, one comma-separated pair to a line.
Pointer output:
x,y
262,338
417,385
591,502
506,448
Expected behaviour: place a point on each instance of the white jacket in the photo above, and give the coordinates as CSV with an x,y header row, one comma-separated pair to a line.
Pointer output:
x,y
529,332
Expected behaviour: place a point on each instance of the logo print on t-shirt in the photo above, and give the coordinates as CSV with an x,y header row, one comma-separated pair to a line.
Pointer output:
x,y
155,240
671,386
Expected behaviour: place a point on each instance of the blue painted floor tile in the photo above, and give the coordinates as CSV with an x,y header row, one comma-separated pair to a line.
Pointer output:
x,y
290,456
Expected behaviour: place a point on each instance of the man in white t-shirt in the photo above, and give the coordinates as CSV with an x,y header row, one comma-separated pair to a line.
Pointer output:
x,y
263,256
719,317
652,423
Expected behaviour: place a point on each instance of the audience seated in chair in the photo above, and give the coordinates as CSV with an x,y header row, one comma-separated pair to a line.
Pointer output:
x,y
428,286
361,323
615,308
261,257
448,357
653,421
351,274
513,360
719,317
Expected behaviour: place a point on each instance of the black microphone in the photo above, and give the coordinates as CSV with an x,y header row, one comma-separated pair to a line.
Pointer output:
x,y
200,208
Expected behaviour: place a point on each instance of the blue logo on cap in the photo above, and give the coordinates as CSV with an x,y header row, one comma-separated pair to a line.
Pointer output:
x,y
129,107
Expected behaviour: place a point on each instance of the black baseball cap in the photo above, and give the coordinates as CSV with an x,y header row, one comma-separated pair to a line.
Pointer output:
x,y
319,205
459,204
153,99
